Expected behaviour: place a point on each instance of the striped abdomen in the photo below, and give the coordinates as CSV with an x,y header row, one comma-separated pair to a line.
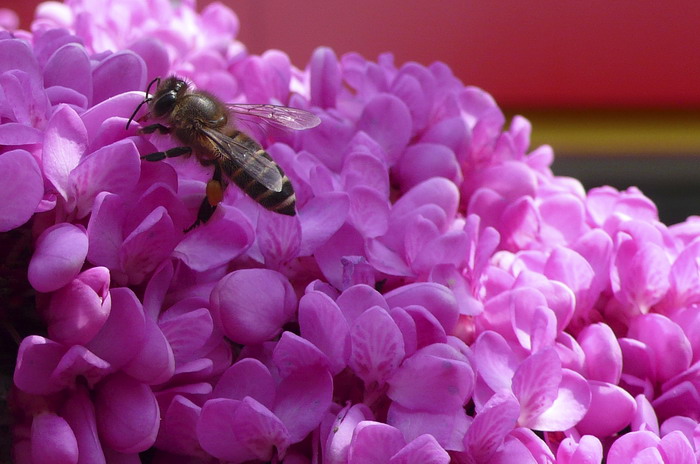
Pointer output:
x,y
235,169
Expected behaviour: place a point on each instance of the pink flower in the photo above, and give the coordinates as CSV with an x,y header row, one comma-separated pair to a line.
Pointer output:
x,y
440,295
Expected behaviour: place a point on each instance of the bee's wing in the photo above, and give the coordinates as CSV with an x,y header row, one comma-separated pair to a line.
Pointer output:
x,y
275,115
247,158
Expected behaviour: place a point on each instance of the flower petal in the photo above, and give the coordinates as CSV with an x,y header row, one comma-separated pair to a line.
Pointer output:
x,y
303,398
21,188
59,255
436,378
126,321
388,121
216,242
127,414
53,441
437,299
36,360
424,450
247,377
374,443
240,431
253,304
377,347
118,73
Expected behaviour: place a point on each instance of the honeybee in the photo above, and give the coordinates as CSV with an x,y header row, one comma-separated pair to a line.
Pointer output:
x,y
205,127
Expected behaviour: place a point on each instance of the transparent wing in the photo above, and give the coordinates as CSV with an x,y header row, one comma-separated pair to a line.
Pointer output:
x,y
246,156
279,116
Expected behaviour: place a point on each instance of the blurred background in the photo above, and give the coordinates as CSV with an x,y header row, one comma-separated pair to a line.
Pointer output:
x,y
612,85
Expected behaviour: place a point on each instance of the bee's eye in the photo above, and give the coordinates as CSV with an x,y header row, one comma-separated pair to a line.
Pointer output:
x,y
164,104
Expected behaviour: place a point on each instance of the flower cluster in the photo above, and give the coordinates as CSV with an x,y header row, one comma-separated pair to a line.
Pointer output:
x,y
440,296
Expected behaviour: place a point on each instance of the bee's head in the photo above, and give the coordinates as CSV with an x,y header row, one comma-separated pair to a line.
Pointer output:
x,y
162,103
166,95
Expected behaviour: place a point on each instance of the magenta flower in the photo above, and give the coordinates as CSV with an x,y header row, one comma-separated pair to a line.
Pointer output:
x,y
439,296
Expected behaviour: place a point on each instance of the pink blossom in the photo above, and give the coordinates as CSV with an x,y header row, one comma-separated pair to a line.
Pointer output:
x,y
440,295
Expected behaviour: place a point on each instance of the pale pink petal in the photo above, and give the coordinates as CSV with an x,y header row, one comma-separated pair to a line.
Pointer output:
x,y
303,398
437,299
535,384
386,260
611,410
626,447
377,346
105,230
140,252
65,142
187,333
279,239
364,168
570,406
603,353
534,325
668,345
114,168
247,377
423,450
325,77
675,448
436,378
252,305
374,443
447,428
240,431
118,73
495,361
428,328
322,323
407,325
216,242
337,444
293,352
644,416
570,268
388,121
345,242
436,191
588,450
78,310
369,211
490,427
126,321
60,253
422,161
320,218
357,299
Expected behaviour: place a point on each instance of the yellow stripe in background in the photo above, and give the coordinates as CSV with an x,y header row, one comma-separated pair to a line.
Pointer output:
x,y
615,132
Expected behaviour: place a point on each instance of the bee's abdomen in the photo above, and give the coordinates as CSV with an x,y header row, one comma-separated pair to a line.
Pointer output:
x,y
281,202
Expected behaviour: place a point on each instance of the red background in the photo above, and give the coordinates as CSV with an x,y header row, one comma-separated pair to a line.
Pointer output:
x,y
527,53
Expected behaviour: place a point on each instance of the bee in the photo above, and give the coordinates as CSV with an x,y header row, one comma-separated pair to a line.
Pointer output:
x,y
205,127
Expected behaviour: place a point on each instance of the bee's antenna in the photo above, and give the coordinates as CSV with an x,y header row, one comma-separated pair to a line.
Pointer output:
x,y
145,100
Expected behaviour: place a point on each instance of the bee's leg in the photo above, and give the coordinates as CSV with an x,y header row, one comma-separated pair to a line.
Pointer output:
x,y
171,153
215,194
155,127
206,210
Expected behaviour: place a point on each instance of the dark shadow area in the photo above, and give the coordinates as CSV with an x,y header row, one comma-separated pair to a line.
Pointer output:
x,y
672,182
